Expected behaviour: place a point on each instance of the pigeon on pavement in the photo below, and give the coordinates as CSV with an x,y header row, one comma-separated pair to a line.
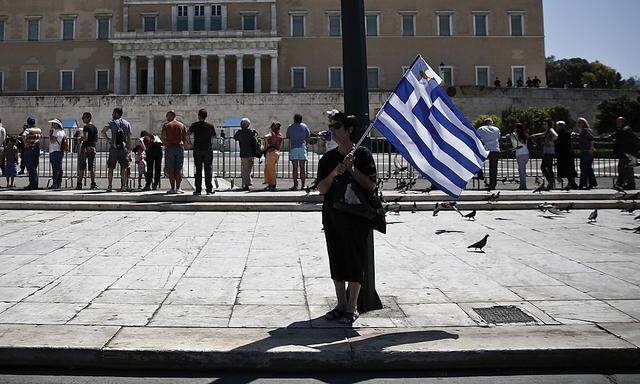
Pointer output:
x,y
471,215
436,210
414,208
480,244
593,216
540,188
493,197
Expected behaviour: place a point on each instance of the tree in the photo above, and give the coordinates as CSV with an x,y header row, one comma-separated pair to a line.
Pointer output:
x,y
580,73
533,118
610,110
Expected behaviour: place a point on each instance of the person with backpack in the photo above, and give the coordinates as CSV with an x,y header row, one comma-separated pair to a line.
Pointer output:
x,y
152,145
119,148
58,145
250,146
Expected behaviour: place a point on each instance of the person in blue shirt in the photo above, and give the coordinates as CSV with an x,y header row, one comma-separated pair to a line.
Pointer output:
x,y
298,133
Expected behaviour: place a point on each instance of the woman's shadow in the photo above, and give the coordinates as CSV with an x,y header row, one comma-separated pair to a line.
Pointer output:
x,y
327,348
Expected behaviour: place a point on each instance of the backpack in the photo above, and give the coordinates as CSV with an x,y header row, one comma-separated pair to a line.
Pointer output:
x,y
119,141
256,143
64,145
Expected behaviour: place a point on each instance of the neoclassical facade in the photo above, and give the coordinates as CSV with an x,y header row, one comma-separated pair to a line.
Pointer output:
x,y
137,47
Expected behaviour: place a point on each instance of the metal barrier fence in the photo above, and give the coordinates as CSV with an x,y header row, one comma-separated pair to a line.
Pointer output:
x,y
390,165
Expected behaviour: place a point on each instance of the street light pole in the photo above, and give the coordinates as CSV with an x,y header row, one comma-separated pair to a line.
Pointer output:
x,y
356,102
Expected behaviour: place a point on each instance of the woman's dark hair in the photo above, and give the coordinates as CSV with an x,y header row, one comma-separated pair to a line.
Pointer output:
x,y
144,133
118,111
275,126
550,123
87,115
138,147
297,118
522,133
348,121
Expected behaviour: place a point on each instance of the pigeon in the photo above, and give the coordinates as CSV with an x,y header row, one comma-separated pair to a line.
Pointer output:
x,y
568,208
471,215
619,189
436,210
311,188
555,211
540,188
414,208
480,244
395,208
629,210
544,207
493,197
593,216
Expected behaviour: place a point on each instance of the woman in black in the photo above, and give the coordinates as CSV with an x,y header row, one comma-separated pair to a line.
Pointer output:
x,y
564,154
346,234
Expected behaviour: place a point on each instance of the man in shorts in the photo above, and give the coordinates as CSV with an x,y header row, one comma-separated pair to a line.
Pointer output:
x,y
298,133
87,152
119,148
174,136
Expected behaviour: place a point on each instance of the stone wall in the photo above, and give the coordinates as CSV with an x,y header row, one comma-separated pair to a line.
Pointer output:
x,y
147,112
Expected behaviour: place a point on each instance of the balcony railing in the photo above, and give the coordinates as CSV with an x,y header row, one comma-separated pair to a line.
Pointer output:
x,y
139,35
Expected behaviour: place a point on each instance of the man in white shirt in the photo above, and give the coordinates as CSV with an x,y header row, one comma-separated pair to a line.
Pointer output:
x,y
490,136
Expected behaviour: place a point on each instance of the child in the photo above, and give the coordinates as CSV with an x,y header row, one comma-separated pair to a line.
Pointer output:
x,y
10,159
141,163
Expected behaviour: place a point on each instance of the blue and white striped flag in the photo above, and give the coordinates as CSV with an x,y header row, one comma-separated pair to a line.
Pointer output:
x,y
426,128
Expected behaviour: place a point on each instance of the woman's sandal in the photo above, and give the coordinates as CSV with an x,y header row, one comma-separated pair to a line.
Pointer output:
x,y
333,314
348,318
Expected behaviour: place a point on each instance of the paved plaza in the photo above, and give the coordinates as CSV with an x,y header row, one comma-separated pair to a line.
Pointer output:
x,y
270,270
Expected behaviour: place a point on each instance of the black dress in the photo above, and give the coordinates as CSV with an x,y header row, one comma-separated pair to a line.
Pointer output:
x,y
564,154
347,235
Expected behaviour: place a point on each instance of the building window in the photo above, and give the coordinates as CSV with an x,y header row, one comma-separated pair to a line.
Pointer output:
x,y
518,74
249,22
1,30
183,18
66,81
445,27
335,77
102,80
373,77
481,24
198,18
31,81
1,81
149,23
408,25
104,28
371,25
216,17
335,25
298,77
516,24
297,25
33,30
446,73
482,76
68,29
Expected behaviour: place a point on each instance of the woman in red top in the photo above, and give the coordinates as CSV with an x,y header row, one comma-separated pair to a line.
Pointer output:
x,y
273,141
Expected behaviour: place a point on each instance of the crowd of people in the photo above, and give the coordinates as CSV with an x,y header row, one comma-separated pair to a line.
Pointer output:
x,y
556,142
146,152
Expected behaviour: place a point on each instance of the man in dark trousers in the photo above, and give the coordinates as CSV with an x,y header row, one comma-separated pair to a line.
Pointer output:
x,y
626,147
203,133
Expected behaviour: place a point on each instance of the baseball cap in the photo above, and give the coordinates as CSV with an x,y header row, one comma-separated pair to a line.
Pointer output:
x,y
31,121
332,112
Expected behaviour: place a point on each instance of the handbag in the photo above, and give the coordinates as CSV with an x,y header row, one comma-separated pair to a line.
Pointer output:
x,y
365,205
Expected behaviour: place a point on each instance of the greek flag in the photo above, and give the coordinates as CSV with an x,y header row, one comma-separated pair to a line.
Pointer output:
x,y
426,128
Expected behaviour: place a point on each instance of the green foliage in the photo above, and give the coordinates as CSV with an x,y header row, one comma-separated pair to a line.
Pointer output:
x,y
479,122
533,118
579,73
610,110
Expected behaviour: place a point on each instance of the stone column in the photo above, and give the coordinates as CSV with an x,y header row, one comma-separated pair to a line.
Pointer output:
x,y
185,75
117,81
274,73
151,78
239,75
222,78
168,88
204,75
133,76
257,76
